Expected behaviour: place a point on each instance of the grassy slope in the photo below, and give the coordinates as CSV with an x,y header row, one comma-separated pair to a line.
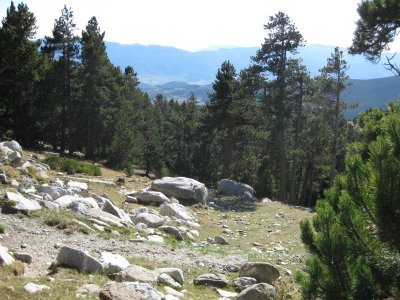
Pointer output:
x,y
260,232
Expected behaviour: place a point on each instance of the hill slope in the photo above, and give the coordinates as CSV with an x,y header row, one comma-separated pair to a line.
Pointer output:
x,y
157,64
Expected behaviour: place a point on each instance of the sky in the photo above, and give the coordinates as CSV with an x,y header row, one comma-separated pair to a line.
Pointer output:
x,y
201,24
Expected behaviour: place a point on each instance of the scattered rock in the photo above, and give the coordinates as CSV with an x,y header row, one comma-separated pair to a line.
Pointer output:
x,y
168,280
131,199
261,271
109,207
155,239
173,231
20,203
79,260
119,291
219,240
226,294
5,257
217,280
230,267
137,273
34,288
24,257
175,273
175,210
113,262
151,197
242,283
181,188
151,220
257,291
87,289
172,292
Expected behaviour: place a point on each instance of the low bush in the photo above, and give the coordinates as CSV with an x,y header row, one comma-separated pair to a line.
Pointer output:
x,y
70,165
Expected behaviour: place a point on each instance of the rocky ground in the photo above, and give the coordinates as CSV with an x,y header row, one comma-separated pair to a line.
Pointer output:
x,y
208,244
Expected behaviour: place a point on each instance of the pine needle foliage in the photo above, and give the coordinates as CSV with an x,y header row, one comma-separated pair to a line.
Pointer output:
x,y
354,238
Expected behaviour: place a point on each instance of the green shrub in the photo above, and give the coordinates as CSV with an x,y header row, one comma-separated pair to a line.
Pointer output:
x,y
2,228
70,165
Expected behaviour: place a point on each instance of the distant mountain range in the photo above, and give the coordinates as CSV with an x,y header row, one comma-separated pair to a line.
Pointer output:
x,y
175,73
157,65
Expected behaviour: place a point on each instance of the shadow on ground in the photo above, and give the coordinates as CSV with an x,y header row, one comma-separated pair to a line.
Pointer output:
x,y
232,203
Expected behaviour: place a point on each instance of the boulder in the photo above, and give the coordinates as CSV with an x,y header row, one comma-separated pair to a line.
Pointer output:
x,y
67,200
181,188
242,283
79,260
175,210
109,207
76,185
257,291
175,273
78,205
54,192
261,271
105,217
130,291
5,257
233,188
13,145
151,220
113,262
217,280
137,273
151,197
21,203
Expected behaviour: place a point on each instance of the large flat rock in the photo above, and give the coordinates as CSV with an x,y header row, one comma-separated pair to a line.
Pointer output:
x,y
181,188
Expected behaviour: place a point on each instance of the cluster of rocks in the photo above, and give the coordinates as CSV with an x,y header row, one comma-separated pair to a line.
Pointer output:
x,y
255,281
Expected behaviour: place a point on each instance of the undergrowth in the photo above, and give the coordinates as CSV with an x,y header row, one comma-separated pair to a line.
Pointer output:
x,y
70,165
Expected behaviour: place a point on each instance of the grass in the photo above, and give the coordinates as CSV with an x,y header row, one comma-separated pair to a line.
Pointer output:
x,y
62,288
62,220
2,228
71,165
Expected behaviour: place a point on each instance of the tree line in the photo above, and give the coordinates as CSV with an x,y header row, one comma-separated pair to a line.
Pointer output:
x,y
270,125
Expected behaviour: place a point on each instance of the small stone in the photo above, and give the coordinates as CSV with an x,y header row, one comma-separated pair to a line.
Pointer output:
x,y
24,257
217,280
219,240
34,288
168,280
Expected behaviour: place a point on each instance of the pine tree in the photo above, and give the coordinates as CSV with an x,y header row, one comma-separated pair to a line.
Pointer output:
x,y
63,50
333,80
21,69
96,77
272,60
355,236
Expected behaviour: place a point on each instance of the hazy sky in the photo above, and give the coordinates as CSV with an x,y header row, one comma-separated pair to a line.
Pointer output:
x,y
195,24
